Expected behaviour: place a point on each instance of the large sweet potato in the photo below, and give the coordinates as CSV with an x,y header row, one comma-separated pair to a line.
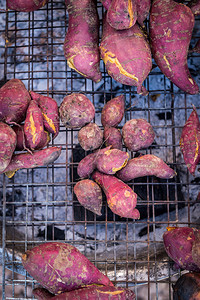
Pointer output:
x,y
14,101
8,141
187,287
120,197
113,111
127,55
60,267
81,41
171,26
25,5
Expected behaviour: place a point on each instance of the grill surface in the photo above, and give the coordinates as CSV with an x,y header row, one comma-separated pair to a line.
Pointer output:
x,y
39,205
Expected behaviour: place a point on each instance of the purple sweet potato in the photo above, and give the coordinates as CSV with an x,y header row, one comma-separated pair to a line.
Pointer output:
x,y
60,267
178,244
171,26
26,160
106,3
89,195
112,161
137,134
82,38
197,47
145,165
89,292
143,8
128,64
187,287
90,137
25,5
76,110
120,197
113,111
195,7
190,141
112,137
122,14
14,101
49,108
8,142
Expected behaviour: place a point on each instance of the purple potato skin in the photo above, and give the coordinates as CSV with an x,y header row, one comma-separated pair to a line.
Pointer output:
x,y
14,101
171,26
112,137
61,267
113,111
76,110
8,141
137,134
106,3
90,137
132,71
82,38
143,9
187,287
89,293
178,243
195,7
145,165
25,5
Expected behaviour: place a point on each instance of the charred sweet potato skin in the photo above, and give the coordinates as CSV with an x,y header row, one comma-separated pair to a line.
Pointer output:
x,y
25,5
113,111
112,137
60,267
90,137
8,141
187,287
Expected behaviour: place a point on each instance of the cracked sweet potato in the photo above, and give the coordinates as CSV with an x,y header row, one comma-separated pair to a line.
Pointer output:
x,y
25,5
82,38
89,195
128,64
137,134
171,26
113,111
112,137
195,7
8,140
120,197
49,108
187,287
190,141
76,110
61,267
14,101
37,159
145,165
90,137
143,8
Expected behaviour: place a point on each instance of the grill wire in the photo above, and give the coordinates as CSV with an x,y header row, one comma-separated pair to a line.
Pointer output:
x,y
38,205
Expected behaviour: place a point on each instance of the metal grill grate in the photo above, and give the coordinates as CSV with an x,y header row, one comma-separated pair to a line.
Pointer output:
x,y
39,205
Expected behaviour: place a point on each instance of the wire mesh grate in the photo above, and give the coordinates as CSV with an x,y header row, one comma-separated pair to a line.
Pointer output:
x,y
38,205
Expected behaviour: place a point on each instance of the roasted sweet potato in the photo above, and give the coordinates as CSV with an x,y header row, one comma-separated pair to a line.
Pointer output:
x,y
178,244
89,195
112,137
61,267
143,8
49,108
26,160
8,141
113,111
137,134
128,64
14,101
171,26
145,165
89,292
187,287
25,5
195,7
190,141
106,3
90,137
81,41
120,197
76,110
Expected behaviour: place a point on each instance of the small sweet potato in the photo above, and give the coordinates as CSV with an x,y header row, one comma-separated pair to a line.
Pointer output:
x,y
14,101
187,287
120,197
88,292
90,137
89,195
143,8
25,5
171,26
178,244
61,267
26,160
49,108
81,42
195,7
112,137
190,141
113,111
137,134
145,165
76,110
8,141
106,3
111,161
